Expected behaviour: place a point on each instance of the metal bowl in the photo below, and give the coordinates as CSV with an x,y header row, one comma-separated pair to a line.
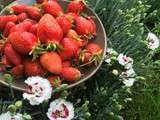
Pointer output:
x,y
101,40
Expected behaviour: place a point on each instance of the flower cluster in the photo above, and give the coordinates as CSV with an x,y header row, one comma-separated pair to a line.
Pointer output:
x,y
40,90
127,76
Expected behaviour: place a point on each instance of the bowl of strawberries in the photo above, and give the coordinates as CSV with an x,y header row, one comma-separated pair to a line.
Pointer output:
x,y
64,42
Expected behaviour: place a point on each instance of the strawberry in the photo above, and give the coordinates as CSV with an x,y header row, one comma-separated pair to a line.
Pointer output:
x,y
31,21
52,62
73,34
5,61
49,30
33,29
18,70
76,6
70,47
64,23
85,56
23,42
12,55
33,12
22,17
90,28
22,27
53,8
8,26
33,68
70,74
71,16
5,19
55,81
94,48
66,63
19,9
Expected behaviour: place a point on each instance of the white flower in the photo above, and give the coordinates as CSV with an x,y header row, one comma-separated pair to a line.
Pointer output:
x,y
128,74
8,116
153,41
60,110
125,61
39,90
128,77
129,82
109,53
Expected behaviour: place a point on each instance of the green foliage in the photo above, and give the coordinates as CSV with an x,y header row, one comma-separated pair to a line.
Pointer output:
x,y
103,97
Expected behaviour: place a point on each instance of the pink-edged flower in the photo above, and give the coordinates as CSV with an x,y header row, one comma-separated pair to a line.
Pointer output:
x,y
9,116
153,41
60,110
125,61
127,77
39,91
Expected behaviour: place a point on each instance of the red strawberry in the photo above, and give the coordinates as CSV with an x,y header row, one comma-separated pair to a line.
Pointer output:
x,y
66,63
53,8
75,6
71,16
70,48
23,42
22,27
55,81
49,29
73,34
19,8
88,30
33,12
33,29
22,17
18,70
5,61
31,21
64,23
8,26
85,56
70,74
94,48
33,68
5,19
52,62
12,55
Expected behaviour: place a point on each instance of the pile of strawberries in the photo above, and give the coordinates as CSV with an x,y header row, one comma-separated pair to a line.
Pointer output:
x,y
43,40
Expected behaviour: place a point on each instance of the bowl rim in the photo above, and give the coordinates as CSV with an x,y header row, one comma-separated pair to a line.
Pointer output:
x,y
81,80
